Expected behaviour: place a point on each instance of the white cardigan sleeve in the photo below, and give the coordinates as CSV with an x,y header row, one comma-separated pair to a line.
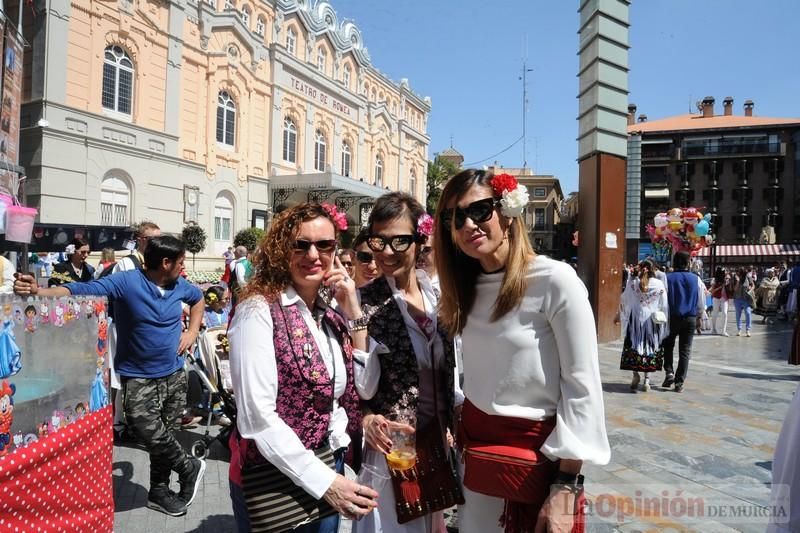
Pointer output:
x,y
580,431
254,375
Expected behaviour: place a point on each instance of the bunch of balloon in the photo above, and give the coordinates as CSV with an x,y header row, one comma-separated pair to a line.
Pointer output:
x,y
679,229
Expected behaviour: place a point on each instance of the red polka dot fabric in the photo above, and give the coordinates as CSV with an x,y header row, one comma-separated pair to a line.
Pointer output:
x,y
61,482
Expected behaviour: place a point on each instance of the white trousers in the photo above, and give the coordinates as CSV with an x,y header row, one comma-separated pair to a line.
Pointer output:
x,y
720,308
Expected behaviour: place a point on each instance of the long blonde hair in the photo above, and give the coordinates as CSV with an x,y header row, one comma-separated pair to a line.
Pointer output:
x,y
458,273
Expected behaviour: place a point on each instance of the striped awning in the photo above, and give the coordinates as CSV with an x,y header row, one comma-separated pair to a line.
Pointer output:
x,y
746,250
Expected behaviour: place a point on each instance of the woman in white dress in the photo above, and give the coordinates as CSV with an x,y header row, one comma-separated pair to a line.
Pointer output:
x,y
531,373
413,371
643,312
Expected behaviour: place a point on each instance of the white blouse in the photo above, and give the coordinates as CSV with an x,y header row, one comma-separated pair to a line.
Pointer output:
x,y
254,374
368,377
540,360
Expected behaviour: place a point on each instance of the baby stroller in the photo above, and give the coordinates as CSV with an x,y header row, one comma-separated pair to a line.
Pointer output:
x,y
210,363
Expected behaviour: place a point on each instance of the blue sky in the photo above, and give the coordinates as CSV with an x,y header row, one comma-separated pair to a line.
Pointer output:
x,y
467,56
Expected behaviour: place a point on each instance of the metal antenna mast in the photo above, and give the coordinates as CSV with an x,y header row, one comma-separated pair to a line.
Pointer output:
x,y
524,79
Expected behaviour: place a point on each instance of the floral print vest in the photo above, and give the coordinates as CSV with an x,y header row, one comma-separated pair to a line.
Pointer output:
x,y
398,387
305,389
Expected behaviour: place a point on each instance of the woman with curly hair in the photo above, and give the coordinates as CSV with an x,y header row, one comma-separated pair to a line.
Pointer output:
x,y
531,372
291,357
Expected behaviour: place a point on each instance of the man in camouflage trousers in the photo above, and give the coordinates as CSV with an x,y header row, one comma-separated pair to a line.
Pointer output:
x,y
150,343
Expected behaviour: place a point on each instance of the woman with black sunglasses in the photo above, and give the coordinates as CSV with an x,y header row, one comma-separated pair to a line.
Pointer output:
x,y
291,357
531,373
410,381
365,268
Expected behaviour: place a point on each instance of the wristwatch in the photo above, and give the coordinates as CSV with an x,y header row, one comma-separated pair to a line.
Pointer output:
x,y
359,324
571,482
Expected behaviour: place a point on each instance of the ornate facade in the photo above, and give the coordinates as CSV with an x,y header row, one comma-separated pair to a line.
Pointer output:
x,y
220,113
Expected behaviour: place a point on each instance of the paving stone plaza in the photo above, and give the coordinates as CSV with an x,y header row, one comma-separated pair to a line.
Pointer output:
x,y
695,461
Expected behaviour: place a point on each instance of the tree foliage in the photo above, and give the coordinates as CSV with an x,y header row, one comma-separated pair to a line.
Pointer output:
x,y
195,238
439,171
249,238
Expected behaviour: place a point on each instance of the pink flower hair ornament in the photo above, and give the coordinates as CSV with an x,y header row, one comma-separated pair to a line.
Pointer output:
x,y
425,225
338,217
513,196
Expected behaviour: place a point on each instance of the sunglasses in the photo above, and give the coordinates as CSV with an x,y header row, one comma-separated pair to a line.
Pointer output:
x,y
398,243
365,257
478,211
347,263
324,246
425,250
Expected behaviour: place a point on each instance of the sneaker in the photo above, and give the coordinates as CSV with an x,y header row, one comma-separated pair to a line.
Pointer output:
x,y
646,386
739,333
725,334
190,421
679,387
164,500
190,481
747,334
668,381
635,381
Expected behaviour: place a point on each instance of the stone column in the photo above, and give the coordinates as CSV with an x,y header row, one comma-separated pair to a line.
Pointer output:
x,y
177,17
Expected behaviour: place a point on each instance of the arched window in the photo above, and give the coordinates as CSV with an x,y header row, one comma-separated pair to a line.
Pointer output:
x,y
291,40
346,76
226,119
260,26
347,158
245,14
289,141
379,171
320,147
223,218
117,80
115,198
322,59
412,183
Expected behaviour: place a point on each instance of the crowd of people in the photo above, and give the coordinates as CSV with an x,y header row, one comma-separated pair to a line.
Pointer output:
x,y
431,337
423,357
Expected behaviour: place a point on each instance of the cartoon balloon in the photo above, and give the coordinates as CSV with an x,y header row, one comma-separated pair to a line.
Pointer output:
x,y
707,218
701,228
660,220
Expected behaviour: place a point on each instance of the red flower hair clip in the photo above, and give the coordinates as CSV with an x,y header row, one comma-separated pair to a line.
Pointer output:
x,y
338,217
513,197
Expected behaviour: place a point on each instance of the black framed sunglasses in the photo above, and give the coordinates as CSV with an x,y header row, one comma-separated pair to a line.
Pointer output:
x,y
365,257
398,243
478,211
324,246
425,250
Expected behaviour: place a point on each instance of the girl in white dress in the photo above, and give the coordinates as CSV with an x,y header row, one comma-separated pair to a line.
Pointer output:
x,y
529,350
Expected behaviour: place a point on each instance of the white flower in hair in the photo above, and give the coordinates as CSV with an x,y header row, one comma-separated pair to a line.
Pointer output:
x,y
70,249
514,202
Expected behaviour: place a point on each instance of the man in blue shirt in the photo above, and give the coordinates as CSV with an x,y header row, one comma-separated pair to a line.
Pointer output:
x,y
150,342
686,295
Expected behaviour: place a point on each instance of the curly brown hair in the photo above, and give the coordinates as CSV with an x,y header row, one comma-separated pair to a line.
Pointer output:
x,y
271,273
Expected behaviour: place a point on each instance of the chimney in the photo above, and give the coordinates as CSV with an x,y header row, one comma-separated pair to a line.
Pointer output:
x,y
631,114
642,118
748,108
727,104
708,106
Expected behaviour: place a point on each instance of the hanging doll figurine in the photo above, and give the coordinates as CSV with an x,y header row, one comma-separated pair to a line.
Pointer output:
x,y
99,395
44,312
102,337
6,415
58,320
10,353
30,319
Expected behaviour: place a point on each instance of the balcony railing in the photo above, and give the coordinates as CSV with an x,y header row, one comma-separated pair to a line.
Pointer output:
x,y
725,147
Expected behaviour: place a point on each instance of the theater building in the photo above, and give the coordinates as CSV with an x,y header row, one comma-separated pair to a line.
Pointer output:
x,y
220,113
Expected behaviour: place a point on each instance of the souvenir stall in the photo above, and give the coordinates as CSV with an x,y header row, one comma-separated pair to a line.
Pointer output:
x,y
55,420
